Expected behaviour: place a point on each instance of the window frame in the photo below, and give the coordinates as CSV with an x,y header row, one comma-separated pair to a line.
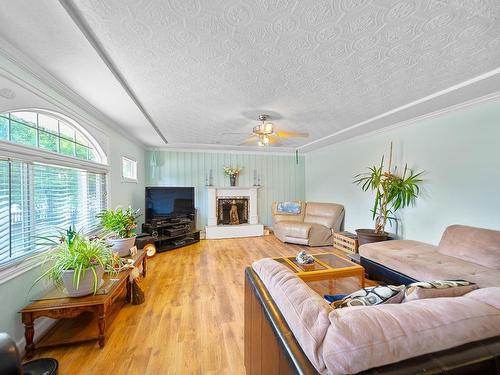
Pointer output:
x,y
93,144
30,154
134,163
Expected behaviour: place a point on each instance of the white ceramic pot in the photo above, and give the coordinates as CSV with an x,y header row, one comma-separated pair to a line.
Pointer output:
x,y
86,285
122,245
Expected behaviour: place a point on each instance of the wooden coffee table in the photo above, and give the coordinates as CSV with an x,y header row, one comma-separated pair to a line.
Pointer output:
x,y
54,304
327,266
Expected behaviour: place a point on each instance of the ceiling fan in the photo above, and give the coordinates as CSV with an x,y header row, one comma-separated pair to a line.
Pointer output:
x,y
265,133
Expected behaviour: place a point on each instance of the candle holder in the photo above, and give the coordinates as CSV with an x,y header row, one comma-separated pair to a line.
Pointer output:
x,y
256,178
209,180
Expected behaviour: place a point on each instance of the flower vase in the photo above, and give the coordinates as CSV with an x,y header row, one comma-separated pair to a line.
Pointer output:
x,y
232,180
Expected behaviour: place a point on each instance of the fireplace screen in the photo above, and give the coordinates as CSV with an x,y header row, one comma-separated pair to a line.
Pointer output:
x,y
232,210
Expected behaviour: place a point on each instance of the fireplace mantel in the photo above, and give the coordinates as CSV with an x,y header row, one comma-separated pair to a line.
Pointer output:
x,y
251,229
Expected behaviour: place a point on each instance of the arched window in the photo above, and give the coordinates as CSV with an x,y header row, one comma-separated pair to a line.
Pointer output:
x,y
49,131
52,175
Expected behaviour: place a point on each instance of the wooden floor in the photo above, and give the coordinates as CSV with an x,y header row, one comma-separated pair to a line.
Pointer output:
x,y
192,320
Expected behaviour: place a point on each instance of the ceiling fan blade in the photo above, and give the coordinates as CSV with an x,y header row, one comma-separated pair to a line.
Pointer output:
x,y
285,133
249,141
274,141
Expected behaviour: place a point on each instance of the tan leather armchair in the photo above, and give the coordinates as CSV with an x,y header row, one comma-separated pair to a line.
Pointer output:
x,y
313,226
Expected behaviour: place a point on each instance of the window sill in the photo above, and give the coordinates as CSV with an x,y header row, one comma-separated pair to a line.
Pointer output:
x,y
129,180
18,268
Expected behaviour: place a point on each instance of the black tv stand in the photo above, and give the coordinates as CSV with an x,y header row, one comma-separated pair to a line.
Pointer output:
x,y
170,233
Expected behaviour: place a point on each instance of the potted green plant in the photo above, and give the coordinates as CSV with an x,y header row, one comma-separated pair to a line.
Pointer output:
x,y
393,191
120,225
77,262
232,173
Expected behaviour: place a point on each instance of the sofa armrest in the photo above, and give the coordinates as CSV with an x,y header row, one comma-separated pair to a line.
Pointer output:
x,y
270,346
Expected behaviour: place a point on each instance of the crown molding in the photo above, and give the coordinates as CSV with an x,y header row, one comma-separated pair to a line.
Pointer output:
x,y
428,116
344,133
58,94
197,147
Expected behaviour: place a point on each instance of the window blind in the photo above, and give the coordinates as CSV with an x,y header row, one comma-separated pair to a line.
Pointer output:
x,y
38,199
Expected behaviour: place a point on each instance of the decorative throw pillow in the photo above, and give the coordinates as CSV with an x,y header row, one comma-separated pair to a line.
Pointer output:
x,y
438,288
373,295
290,208
333,297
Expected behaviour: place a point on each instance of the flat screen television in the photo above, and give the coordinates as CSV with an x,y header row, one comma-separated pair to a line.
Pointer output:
x,y
164,202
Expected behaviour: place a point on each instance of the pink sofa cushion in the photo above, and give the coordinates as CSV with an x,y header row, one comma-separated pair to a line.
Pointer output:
x,y
422,261
304,310
364,337
485,296
476,245
438,288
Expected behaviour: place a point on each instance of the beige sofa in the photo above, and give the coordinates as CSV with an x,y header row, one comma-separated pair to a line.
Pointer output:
x,y
313,226
447,334
464,252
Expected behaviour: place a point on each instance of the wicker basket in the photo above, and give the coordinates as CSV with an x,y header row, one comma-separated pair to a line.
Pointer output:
x,y
345,241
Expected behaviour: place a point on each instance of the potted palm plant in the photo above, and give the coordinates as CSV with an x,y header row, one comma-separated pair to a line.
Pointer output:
x,y
393,191
77,262
120,225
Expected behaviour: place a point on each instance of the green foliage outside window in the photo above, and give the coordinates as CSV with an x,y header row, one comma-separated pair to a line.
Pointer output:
x,y
4,128
25,129
48,141
23,134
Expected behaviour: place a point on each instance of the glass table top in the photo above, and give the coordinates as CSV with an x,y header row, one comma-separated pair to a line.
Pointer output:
x,y
323,262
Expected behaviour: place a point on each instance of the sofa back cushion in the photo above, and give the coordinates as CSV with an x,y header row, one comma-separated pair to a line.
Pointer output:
x,y
329,215
475,245
438,288
304,310
280,216
364,337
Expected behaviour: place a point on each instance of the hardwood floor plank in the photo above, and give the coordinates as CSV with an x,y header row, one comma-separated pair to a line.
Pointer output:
x,y
192,320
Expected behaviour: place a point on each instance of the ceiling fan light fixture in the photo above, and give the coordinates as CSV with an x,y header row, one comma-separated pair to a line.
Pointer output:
x,y
267,128
265,134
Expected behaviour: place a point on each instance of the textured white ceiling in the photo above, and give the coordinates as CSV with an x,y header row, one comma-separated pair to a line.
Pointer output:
x,y
202,68
199,66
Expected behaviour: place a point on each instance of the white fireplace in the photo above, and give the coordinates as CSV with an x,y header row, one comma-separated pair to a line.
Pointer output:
x,y
244,200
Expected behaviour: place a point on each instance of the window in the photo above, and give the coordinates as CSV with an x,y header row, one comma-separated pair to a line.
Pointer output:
x,y
36,199
40,192
129,169
46,131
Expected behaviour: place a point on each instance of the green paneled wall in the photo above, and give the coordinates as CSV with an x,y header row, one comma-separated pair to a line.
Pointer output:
x,y
281,177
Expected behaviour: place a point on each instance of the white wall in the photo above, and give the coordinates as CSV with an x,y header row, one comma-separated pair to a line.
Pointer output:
x,y
126,193
460,152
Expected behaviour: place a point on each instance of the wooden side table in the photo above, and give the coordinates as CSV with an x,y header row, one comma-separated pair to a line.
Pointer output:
x,y
55,305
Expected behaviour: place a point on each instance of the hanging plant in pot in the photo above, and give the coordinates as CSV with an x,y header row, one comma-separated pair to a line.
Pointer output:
x,y
393,191
120,225
77,262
